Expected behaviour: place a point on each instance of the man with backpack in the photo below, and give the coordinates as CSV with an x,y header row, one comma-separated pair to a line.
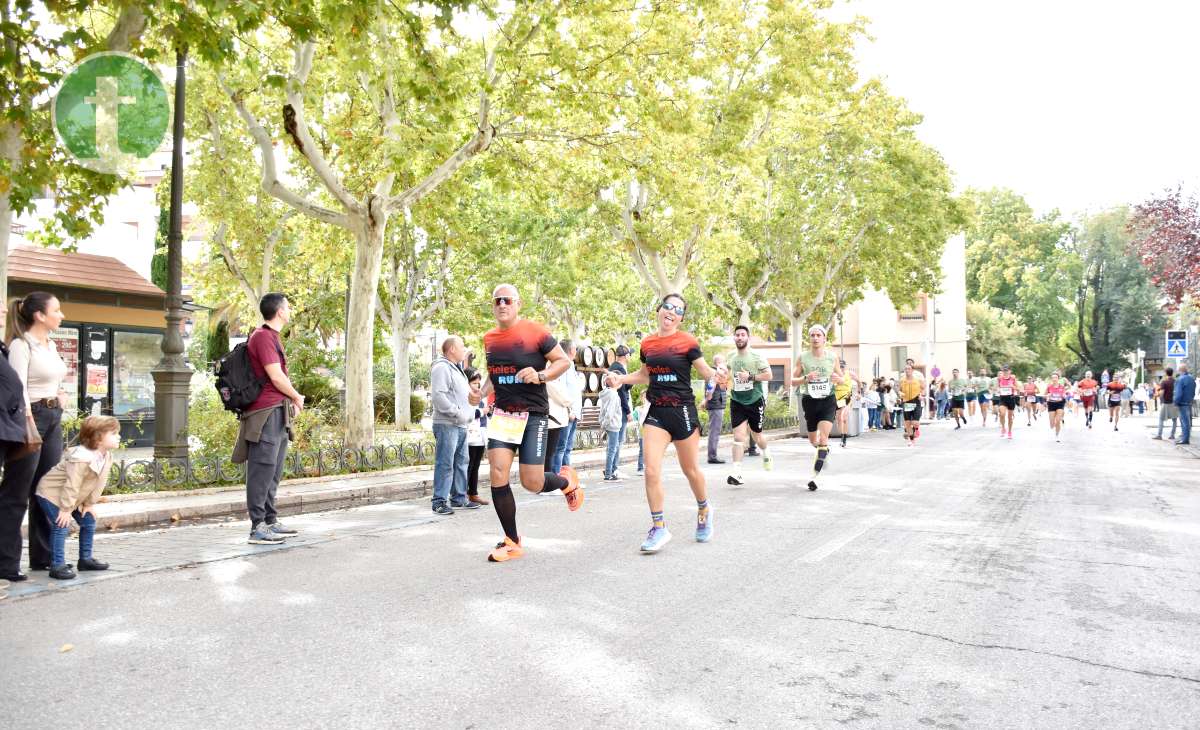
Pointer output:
x,y
266,423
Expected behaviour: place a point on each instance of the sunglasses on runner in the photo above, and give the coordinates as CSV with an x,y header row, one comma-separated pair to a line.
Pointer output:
x,y
676,308
499,301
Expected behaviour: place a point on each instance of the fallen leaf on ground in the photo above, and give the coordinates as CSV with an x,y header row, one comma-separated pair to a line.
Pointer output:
x,y
66,648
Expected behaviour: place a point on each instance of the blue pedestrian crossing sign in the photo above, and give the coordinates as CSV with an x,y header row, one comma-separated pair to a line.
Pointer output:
x,y
1177,344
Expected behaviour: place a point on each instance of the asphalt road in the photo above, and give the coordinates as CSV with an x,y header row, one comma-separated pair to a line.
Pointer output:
x,y
969,582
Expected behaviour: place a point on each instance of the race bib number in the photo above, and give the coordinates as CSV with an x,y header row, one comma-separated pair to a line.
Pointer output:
x,y
1031,399
1006,391
1088,392
508,427
1054,397
910,407
820,389
956,392
743,387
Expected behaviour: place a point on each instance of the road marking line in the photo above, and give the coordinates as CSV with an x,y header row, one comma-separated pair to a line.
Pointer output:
x,y
831,547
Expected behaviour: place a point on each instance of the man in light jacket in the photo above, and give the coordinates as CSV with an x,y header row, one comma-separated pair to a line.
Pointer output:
x,y
454,404
571,383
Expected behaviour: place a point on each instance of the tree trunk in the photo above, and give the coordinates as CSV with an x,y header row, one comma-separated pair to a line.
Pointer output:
x,y
794,337
360,330
402,382
10,149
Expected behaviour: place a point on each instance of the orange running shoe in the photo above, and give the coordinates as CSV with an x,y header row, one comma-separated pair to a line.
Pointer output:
x,y
573,492
505,550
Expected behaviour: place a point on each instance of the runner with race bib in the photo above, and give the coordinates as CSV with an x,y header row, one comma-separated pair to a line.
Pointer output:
x,y
1088,388
912,387
816,373
958,394
1056,401
1006,391
521,357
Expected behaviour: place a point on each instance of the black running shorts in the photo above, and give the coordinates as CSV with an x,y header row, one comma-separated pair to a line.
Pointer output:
x,y
532,449
957,402
915,413
817,410
1009,402
753,414
1055,405
679,421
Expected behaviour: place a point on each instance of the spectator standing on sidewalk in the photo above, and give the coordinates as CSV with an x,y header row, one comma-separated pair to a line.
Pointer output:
x,y
1184,398
34,357
613,457
454,404
1166,392
571,383
560,418
266,426
12,436
873,402
476,440
716,396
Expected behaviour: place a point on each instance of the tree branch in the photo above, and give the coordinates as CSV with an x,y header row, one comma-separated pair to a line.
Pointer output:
x,y
271,183
296,126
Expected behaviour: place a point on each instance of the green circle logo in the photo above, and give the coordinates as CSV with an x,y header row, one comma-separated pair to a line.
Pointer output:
x,y
111,111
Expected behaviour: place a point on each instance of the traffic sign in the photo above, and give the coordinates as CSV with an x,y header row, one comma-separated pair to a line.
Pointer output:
x,y
1177,343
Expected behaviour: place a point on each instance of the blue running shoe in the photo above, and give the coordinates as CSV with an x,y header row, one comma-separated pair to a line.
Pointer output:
x,y
704,525
655,539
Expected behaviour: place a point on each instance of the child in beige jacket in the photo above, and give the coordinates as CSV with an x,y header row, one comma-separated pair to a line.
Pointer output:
x,y
70,490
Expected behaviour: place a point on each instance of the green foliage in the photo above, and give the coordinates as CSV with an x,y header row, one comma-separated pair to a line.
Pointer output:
x,y
310,367
996,338
158,262
1117,307
1024,264
217,342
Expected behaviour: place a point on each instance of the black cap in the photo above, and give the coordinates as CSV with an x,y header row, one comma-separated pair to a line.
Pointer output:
x,y
623,351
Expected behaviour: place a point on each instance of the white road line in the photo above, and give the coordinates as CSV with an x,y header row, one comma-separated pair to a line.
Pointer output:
x,y
831,547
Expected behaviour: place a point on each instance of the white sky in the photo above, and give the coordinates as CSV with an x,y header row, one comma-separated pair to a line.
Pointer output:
x,y
1076,105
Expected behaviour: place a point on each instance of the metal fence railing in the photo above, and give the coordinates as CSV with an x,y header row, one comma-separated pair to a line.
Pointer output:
x,y
146,475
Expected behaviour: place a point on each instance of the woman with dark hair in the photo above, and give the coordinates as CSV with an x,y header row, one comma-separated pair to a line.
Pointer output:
x,y
668,357
35,359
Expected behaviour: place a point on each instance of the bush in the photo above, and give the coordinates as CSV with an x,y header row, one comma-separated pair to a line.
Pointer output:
x,y
416,407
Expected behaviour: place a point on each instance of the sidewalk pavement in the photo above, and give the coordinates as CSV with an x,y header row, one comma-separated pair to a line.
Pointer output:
x,y
122,512
162,547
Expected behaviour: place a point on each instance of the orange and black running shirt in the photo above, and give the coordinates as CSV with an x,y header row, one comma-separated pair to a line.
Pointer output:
x,y
509,351
669,361
1087,388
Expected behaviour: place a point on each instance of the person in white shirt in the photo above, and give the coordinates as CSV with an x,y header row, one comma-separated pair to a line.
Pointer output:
x,y
35,359
572,386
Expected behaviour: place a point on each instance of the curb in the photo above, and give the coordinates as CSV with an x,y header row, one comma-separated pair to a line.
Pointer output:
x,y
382,486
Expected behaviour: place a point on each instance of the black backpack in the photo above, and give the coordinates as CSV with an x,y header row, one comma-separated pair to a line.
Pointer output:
x,y
236,385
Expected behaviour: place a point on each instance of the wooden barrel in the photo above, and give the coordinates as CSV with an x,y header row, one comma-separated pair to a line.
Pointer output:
x,y
587,355
612,356
593,383
598,356
579,355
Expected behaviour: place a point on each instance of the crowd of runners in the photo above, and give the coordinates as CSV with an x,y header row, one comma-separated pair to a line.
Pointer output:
x,y
521,356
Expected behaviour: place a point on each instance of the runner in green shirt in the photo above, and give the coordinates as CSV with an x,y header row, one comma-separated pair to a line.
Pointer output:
x,y
983,384
958,393
748,376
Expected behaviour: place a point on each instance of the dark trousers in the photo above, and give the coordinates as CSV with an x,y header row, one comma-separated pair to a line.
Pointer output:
x,y
264,468
716,419
17,495
474,458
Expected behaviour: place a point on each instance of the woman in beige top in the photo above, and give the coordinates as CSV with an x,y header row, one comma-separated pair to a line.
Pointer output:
x,y
36,361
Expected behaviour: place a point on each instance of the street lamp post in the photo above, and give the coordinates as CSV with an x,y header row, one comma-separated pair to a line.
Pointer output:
x,y
171,375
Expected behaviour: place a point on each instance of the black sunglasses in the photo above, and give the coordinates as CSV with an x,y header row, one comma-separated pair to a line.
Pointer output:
x,y
676,308
497,301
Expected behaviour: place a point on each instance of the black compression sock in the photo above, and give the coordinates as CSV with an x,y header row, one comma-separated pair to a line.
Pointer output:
x,y
506,510
553,483
822,455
